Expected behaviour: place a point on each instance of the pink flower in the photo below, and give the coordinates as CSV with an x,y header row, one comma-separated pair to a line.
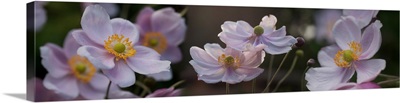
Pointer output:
x,y
70,75
363,17
111,45
111,9
215,64
351,85
165,92
238,34
117,93
38,93
162,30
351,54
324,21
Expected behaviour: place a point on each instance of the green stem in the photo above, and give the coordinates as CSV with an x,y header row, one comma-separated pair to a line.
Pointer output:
x,y
184,11
108,90
303,78
271,62
227,88
276,72
287,74
388,76
388,81
177,84
142,85
253,85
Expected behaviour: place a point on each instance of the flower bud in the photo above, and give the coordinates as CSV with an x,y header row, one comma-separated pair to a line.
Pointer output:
x,y
310,62
300,53
300,42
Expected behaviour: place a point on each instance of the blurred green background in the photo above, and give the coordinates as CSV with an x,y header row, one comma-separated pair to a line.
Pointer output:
x,y
203,27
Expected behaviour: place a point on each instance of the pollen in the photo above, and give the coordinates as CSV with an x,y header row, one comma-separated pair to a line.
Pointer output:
x,y
81,68
156,41
344,58
119,46
229,61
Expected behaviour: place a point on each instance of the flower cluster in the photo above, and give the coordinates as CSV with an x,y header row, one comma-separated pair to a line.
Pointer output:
x,y
244,53
105,55
358,38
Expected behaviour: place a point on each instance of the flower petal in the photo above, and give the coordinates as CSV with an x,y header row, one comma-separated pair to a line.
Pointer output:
x,y
243,28
173,54
214,50
368,85
145,65
213,78
199,55
170,23
281,32
232,37
54,60
162,76
98,57
254,57
327,54
268,23
345,30
70,44
121,74
367,70
143,20
146,52
164,92
346,86
326,78
117,93
66,86
371,40
231,77
124,27
88,92
278,45
111,8
202,68
99,82
363,17
96,23
83,39
250,73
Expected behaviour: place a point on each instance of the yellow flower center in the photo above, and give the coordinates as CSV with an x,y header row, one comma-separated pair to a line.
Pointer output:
x,y
119,46
229,61
156,41
344,58
81,68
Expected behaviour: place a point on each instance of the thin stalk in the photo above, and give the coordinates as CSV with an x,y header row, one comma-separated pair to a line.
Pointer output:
x,y
177,84
388,81
227,88
142,85
388,76
108,90
253,85
125,11
303,77
276,72
287,74
271,62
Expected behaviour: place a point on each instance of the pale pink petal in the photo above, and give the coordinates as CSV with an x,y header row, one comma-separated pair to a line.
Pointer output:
x,y
145,65
173,54
165,92
268,23
363,17
278,45
214,50
326,78
199,55
83,39
170,23
66,86
371,40
88,92
117,93
100,58
281,32
143,20
250,73
345,31
254,57
124,27
96,23
231,77
70,44
368,85
213,78
162,76
367,70
54,60
327,54
203,68
121,74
